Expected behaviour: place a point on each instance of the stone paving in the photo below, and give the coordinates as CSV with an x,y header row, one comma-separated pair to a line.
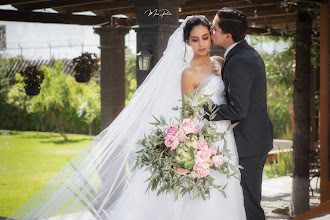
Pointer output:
x,y
276,194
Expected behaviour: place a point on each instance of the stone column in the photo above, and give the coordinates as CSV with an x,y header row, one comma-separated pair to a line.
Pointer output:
x,y
156,20
112,39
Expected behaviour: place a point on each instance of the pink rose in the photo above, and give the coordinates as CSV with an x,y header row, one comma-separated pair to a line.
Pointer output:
x,y
204,154
200,163
196,128
202,169
203,173
213,151
171,141
180,135
171,130
217,160
202,144
188,126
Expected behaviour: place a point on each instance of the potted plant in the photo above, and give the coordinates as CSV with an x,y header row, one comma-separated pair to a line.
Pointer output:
x,y
32,77
84,66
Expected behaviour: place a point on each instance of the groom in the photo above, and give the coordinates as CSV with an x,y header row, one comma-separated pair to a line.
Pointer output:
x,y
243,73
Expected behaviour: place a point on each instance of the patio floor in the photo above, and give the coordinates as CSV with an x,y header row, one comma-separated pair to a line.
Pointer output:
x,y
276,194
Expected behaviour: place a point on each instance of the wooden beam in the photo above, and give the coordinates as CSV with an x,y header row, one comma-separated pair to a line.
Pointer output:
x,y
59,4
196,4
251,13
121,6
7,2
323,208
275,21
127,11
9,15
264,31
314,1
271,16
272,20
194,8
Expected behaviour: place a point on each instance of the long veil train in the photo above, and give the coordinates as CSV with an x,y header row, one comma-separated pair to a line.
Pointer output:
x,y
97,176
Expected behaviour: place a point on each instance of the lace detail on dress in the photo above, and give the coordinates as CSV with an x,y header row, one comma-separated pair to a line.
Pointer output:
x,y
213,84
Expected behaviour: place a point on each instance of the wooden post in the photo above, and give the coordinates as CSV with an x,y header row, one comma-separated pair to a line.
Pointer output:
x,y
324,101
324,207
301,105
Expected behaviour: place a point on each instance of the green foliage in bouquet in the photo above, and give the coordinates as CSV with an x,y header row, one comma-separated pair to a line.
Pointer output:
x,y
180,155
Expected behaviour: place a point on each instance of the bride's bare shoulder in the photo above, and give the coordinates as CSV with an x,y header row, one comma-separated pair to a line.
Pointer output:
x,y
188,81
188,73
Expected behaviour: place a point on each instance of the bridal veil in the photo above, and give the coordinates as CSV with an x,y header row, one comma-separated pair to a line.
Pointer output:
x,y
97,176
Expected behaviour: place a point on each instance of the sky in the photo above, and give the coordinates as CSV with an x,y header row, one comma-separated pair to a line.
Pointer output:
x,y
59,41
62,41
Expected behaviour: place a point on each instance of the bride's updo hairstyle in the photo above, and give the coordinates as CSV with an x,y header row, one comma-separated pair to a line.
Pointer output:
x,y
193,22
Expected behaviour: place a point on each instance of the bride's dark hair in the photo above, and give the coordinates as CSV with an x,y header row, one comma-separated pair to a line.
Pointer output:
x,y
191,23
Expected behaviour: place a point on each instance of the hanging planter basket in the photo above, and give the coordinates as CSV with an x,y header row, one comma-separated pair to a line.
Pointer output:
x,y
32,91
82,78
84,66
32,77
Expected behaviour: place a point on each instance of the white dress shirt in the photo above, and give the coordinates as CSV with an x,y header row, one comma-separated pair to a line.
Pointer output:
x,y
230,47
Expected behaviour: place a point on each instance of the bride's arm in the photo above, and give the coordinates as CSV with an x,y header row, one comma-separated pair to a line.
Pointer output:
x,y
187,82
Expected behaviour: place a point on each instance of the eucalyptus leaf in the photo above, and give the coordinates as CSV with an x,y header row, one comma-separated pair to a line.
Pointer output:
x,y
230,127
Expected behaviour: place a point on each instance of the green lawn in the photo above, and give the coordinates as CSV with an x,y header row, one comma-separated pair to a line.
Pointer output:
x,y
29,160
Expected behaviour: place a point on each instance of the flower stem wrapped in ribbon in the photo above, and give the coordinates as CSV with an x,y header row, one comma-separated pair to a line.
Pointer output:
x,y
180,154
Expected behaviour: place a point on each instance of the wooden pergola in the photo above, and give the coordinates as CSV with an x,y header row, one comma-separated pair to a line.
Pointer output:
x,y
266,17
263,15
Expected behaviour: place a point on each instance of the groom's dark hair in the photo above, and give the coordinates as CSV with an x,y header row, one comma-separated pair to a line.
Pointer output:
x,y
234,22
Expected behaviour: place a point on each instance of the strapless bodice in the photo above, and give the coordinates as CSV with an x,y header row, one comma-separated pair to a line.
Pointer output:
x,y
213,84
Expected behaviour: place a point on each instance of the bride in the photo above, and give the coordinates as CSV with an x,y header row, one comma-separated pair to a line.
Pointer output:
x,y
99,182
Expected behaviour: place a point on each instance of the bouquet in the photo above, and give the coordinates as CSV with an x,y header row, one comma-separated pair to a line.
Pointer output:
x,y
180,154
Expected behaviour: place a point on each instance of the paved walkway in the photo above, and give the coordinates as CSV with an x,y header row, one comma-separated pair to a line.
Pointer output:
x,y
276,194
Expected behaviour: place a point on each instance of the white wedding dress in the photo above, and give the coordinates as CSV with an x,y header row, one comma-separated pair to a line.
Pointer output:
x,y
136,204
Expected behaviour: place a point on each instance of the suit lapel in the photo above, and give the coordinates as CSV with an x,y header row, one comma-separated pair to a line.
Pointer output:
x,y
238,47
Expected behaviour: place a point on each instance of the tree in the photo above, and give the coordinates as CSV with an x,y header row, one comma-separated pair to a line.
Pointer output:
x,y
280,72
130,75
10,116
89,105
301,103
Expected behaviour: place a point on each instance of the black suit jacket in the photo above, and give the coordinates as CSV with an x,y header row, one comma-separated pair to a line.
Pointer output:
x,y
244,76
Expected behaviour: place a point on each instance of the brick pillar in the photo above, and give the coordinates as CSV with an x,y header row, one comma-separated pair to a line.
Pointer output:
x,y
112,40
